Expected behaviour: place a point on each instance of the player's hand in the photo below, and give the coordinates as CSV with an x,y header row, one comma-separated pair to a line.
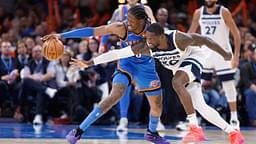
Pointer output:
x,y
235,62
50,36
80,63
228,56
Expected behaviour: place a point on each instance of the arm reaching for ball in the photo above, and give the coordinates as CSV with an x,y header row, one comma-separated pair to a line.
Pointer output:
x,y
140,48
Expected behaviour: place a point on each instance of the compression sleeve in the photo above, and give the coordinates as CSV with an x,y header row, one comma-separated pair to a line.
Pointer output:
x,y
79,33
114,55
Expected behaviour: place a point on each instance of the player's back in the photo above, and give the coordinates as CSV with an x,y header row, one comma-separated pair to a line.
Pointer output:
x,y
214,27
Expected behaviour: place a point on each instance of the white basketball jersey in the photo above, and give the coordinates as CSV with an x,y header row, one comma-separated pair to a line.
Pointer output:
x,y
172,57
214,27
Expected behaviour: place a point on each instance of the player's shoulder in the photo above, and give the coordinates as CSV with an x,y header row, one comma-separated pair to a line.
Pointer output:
x,y
225,11
147,7
224,8
197,12
171,34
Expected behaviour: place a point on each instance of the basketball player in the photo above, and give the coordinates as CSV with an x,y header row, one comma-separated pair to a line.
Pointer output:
x,y
120,14
140,68
175,51
215,22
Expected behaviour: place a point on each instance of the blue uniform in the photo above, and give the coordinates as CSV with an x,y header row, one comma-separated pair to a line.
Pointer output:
x,y
141,69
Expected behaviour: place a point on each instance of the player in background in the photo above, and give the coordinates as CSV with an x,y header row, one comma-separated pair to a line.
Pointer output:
x,y
140,68
120,14
216,22
182,54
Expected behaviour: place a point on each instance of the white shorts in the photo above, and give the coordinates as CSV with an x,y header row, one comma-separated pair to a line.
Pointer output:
x,y
216,63
193,64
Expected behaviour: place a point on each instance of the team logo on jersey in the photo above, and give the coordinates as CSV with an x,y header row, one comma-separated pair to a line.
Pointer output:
x,y
167,58
154,83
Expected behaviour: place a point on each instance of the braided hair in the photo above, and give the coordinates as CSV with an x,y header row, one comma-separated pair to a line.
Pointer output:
x,y
138,12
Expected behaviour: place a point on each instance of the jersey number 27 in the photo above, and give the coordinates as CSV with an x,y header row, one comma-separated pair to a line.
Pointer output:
x,y
210,29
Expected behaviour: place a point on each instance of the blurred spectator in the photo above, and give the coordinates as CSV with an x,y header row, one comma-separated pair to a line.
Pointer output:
x,y
162,18
66,79
38,79
248,79
82,50
102,83
22,55
87,95
8,74
30,44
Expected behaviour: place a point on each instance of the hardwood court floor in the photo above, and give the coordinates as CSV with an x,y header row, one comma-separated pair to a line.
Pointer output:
x,y
54,134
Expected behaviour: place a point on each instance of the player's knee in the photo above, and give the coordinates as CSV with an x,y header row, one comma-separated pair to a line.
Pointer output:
x,y
230,90
176,82
117,91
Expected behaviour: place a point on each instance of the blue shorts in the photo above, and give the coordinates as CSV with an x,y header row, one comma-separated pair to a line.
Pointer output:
x,y
142,70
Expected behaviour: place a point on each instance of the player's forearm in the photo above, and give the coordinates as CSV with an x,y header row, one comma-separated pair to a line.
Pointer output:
x,y
202,40
215,47
237,43
79,33
113,55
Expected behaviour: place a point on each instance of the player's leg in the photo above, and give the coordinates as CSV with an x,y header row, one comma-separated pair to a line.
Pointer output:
x,y
120,83
189,71
148,82
210,114
124,106
155,101
226,76
231,94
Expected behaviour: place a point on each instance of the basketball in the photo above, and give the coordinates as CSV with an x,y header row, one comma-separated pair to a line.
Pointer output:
x,y
53,49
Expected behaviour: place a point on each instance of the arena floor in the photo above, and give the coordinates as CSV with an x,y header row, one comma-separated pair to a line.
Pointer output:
x,y
49,134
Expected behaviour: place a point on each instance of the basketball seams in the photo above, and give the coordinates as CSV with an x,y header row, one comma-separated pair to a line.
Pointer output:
x,y
53,49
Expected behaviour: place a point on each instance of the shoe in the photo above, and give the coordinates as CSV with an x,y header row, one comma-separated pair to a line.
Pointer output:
x,y
155,138
236,138
182,126
235,124
74,135
160,126
123,123
195,134
38,120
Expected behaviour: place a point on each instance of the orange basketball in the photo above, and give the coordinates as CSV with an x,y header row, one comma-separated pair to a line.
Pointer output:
x,y
53,49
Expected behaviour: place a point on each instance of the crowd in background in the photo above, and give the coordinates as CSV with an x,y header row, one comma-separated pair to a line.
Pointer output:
x,y
33,89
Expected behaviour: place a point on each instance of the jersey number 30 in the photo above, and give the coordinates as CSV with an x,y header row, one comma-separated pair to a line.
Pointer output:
x,y
210,29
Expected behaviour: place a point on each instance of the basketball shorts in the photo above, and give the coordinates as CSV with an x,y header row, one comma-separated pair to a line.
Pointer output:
x,y
193,65
142,71
216,63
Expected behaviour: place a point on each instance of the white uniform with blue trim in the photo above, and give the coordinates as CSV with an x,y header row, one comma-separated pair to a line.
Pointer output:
x,y
214,27
190,60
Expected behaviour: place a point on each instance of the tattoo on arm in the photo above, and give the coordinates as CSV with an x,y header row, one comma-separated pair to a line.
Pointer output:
x,y
183,40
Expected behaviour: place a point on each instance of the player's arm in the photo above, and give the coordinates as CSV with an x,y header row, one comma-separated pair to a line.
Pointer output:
x,y
140,48
104,39
117,28
183,40
235,33
150,14
195,22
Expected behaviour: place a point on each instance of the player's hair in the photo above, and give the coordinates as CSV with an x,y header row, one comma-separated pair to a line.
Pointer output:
x,y
138,12
156,28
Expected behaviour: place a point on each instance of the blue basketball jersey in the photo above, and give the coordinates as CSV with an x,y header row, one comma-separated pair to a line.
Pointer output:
x,y
140,68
